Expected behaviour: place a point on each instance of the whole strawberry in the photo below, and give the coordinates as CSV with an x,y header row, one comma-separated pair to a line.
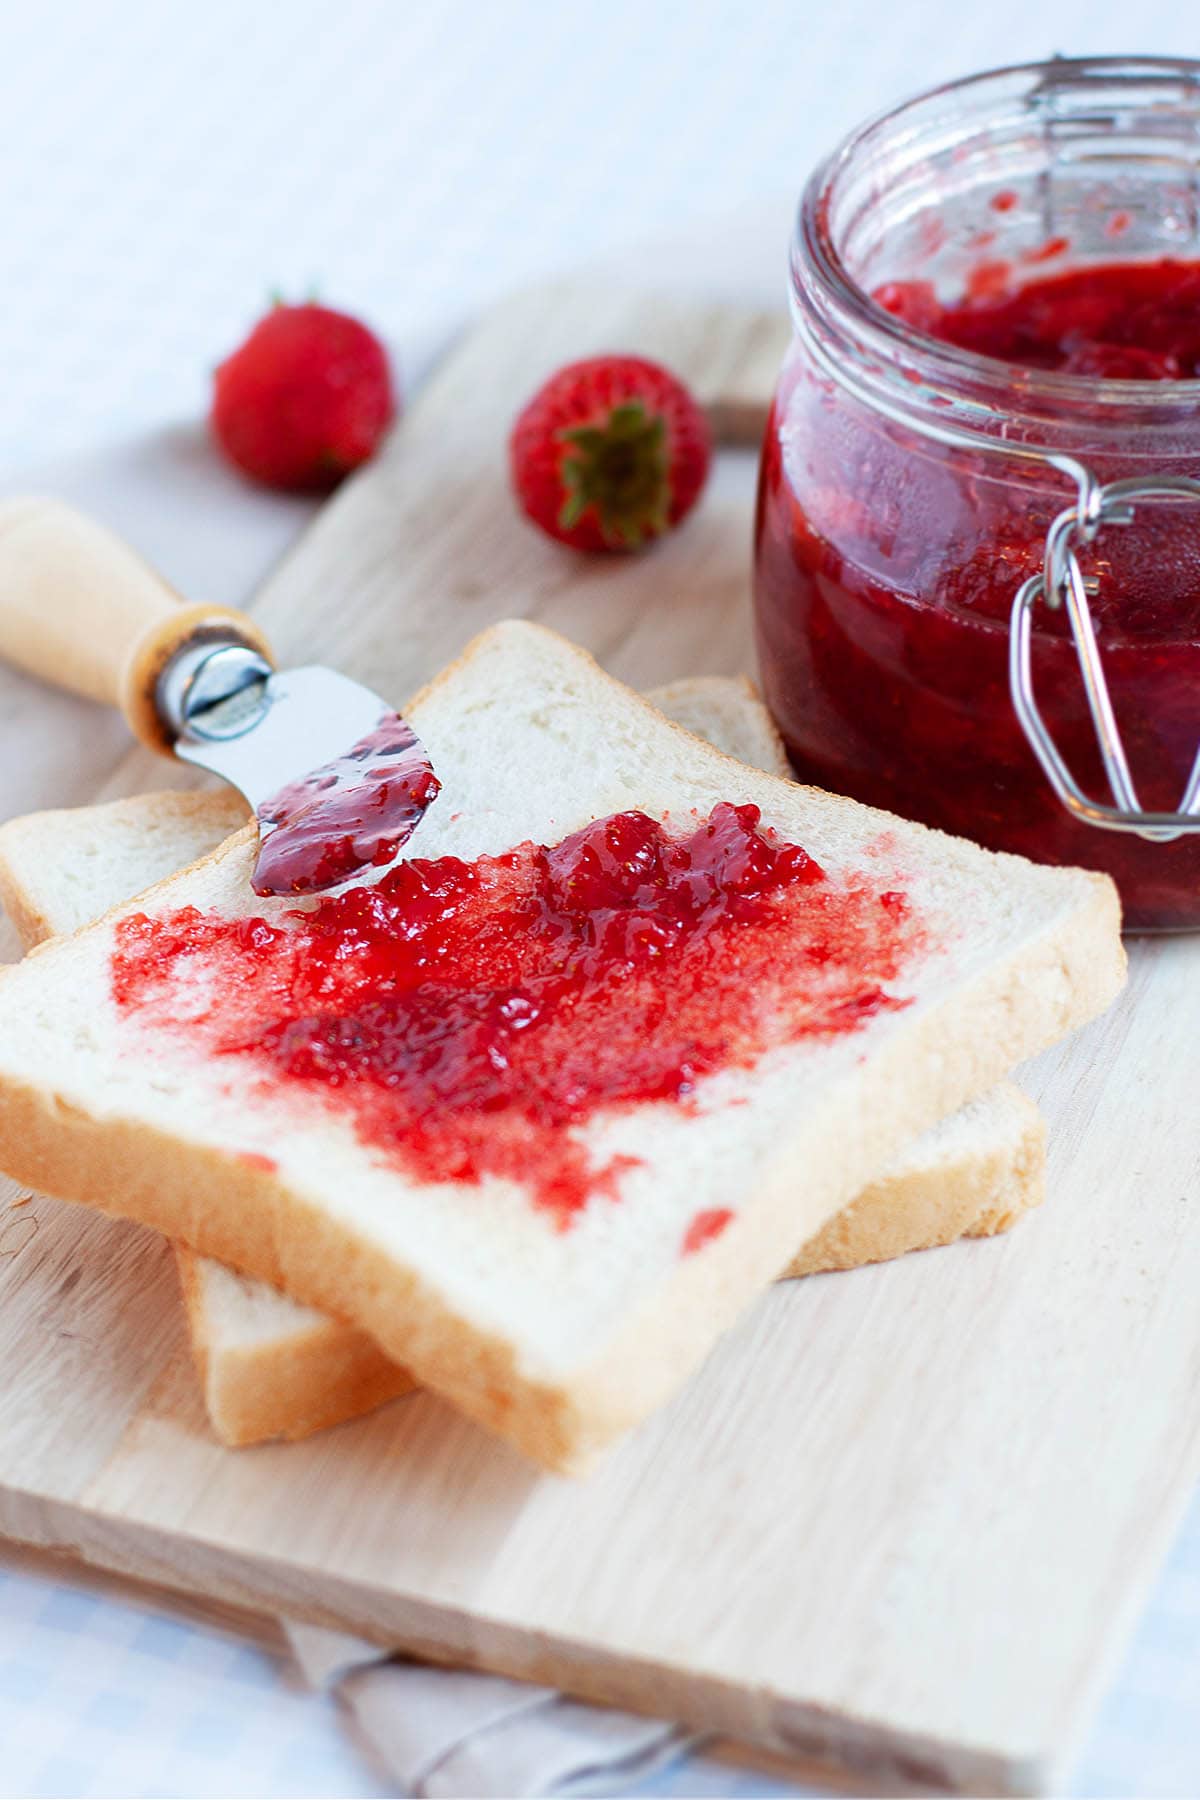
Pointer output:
x,y
610,453
305,399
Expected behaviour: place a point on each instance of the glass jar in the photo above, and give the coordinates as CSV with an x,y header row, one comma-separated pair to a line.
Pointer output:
x,y
908,485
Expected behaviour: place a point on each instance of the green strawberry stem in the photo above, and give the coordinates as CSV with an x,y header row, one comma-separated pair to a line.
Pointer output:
x,y
621,469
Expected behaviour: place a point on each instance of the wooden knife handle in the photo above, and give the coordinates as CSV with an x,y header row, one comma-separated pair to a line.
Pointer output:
x,y
80,609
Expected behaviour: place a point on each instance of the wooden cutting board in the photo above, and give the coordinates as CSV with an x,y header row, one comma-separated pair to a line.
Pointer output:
x,y
903,1516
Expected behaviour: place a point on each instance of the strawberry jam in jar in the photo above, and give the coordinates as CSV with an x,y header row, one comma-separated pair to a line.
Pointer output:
x,y
977,564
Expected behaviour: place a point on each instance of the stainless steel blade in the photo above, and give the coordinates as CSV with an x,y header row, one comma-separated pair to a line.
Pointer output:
x,y
291,723
331,772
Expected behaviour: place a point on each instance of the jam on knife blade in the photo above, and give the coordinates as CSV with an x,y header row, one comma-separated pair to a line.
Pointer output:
x,y
350,814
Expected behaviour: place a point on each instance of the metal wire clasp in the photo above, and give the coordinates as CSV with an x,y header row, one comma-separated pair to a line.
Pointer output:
x,y
1061,583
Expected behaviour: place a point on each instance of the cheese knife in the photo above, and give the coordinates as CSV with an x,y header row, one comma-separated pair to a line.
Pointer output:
x,y
335,778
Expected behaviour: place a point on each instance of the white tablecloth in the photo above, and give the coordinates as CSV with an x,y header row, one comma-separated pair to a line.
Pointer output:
x,y
165,169
166,166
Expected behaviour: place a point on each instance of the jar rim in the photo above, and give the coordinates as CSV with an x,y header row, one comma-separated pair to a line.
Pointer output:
x,y
815,253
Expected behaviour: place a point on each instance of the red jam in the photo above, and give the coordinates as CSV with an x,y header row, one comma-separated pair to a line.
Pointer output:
x,y
887,567
1124,321
468,1017
351,814
705,1227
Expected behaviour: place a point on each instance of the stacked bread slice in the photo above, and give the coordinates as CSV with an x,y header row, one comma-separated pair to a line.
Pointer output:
x,y
271,1367
556,1339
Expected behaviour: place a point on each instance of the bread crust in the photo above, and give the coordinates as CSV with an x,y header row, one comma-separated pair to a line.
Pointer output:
x,y
321,1374
974,1195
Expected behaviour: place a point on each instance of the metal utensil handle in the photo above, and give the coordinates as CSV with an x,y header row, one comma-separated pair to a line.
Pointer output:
x,y
1061,583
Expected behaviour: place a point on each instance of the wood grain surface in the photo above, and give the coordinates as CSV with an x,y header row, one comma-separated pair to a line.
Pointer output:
x,y
903,1516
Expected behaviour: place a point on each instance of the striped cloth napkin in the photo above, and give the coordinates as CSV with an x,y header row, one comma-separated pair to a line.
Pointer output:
x,y
442,1733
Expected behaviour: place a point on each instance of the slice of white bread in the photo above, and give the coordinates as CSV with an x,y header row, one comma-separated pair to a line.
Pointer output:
x,y
556,1339
728,712
270,1367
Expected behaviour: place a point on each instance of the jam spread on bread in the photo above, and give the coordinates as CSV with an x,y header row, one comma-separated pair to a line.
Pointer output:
x,y
471,1017
353,813
704,1227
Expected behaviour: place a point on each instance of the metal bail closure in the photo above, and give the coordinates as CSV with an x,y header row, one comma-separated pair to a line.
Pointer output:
x,y
1061,583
